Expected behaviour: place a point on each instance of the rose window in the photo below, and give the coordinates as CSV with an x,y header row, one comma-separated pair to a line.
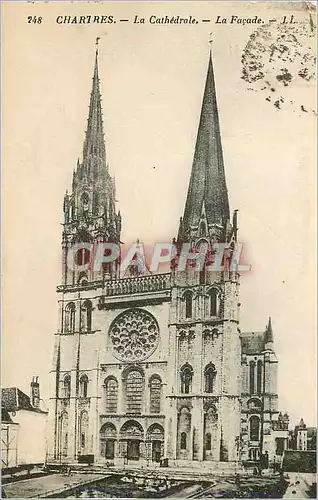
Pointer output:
x,y
134,335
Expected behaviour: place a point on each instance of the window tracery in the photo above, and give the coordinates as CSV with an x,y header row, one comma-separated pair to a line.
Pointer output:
x,y
134,335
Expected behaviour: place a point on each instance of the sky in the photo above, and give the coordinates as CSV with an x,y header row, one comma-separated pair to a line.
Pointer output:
x,y
152,81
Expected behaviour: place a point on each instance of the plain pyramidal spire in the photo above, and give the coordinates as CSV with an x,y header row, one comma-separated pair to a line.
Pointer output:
x,y
269,331
207,189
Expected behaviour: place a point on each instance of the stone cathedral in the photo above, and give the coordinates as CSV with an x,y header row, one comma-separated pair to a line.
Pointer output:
x,y
147,366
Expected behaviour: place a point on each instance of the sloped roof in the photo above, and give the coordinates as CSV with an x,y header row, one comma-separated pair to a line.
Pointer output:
x,y
252,342
13,399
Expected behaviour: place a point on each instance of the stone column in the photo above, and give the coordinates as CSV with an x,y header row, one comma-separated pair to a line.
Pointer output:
x,y
172,386
94,413
121,394
171,429
197,360
197,424
73,419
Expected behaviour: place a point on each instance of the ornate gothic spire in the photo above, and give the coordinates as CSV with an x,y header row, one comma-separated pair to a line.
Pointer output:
x,y
207,189
92,202
94,144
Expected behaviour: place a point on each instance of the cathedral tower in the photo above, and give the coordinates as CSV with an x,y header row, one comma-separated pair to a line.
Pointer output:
x,y
90,217
205,393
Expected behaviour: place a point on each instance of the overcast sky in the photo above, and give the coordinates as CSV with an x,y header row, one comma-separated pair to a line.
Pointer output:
x,y
152,81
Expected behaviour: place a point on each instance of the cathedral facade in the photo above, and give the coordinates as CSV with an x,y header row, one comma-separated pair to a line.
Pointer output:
x,y
154,366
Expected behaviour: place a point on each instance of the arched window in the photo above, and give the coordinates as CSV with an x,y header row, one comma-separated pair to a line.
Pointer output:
x,y
83,255
254,404
134,391
252,377
86,316
188,304
83,386
211,431
95,204
111,395
184,432
203,249
254,428
85,201
69,320
259,376
73,211
107,266
208,441
186,378
67,386
155,394
83,429
209,377
213,295
202,229
183,441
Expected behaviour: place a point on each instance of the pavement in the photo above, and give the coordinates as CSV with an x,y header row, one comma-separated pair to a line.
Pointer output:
x,y
299,484
204,485
42,486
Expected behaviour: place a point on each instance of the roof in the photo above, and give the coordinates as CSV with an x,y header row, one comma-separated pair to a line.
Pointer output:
x,y
13,399
252,342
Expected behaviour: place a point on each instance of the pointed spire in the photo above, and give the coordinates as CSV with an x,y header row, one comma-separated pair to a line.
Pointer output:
x,y
269,332
207,186
94,144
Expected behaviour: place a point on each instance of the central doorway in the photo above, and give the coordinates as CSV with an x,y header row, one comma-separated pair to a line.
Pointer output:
x,y
131,437
133,449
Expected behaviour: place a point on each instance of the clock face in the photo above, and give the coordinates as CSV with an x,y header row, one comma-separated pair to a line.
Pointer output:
x,y
134,335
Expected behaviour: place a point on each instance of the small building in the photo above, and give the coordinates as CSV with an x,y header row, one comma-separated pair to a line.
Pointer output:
x,y
302,438
23,427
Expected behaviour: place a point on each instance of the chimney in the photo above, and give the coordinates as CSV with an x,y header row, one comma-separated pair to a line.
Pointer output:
x,y
35,392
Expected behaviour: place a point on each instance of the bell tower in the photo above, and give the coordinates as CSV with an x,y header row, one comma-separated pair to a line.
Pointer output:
x,y
205,393
89,210
90,218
